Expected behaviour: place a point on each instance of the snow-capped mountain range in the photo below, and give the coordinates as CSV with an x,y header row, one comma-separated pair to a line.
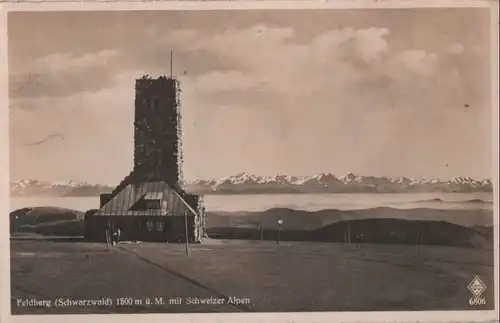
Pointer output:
x,y
32,187
329,183
245,183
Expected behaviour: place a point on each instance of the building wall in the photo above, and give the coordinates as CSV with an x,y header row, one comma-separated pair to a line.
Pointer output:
x,y
157,140
197,203
134,228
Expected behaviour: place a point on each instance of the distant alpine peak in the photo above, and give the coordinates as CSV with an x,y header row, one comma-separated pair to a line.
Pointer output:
x,y
323,175
348,178
242,177
348,175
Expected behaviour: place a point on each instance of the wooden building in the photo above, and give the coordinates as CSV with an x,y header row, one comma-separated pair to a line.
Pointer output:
x,y
151,211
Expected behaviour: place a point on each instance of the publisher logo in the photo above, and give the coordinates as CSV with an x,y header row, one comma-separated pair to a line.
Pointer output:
x,y
477,288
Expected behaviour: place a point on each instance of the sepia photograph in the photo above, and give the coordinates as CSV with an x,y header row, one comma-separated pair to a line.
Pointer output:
x,y
255,161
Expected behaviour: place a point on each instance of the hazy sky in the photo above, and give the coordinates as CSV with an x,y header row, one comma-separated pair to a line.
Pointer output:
x,y
374,92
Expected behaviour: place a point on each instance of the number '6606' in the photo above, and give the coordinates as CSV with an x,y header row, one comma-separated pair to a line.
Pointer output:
x,y
476,301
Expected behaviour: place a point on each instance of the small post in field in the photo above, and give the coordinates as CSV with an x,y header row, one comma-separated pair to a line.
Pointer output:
x,y
348,232
279,224
417,243
187,237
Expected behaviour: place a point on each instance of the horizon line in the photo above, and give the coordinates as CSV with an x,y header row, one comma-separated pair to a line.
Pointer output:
x,y
251,174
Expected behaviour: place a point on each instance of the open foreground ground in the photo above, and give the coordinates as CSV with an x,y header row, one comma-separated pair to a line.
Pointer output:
x,y
259,275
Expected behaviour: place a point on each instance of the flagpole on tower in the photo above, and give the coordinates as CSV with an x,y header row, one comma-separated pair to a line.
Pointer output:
x,y
171,64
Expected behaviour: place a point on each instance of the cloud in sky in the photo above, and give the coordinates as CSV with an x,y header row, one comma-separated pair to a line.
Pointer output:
x,y
265,99
337,62
61,74
66,62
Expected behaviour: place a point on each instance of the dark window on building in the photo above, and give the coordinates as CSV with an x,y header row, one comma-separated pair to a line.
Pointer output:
x,y
152,204
159,226
149,225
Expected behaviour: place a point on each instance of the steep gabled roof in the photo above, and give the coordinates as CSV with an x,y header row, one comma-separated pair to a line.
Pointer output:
x,y
125,202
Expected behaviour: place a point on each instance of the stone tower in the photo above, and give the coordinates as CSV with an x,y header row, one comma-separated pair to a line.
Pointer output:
x,y
152,191
157,131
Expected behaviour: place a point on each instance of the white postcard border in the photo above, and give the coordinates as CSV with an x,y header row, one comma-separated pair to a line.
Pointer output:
x,y
420,316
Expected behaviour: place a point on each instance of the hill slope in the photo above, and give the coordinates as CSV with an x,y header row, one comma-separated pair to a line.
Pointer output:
x,y
325,226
